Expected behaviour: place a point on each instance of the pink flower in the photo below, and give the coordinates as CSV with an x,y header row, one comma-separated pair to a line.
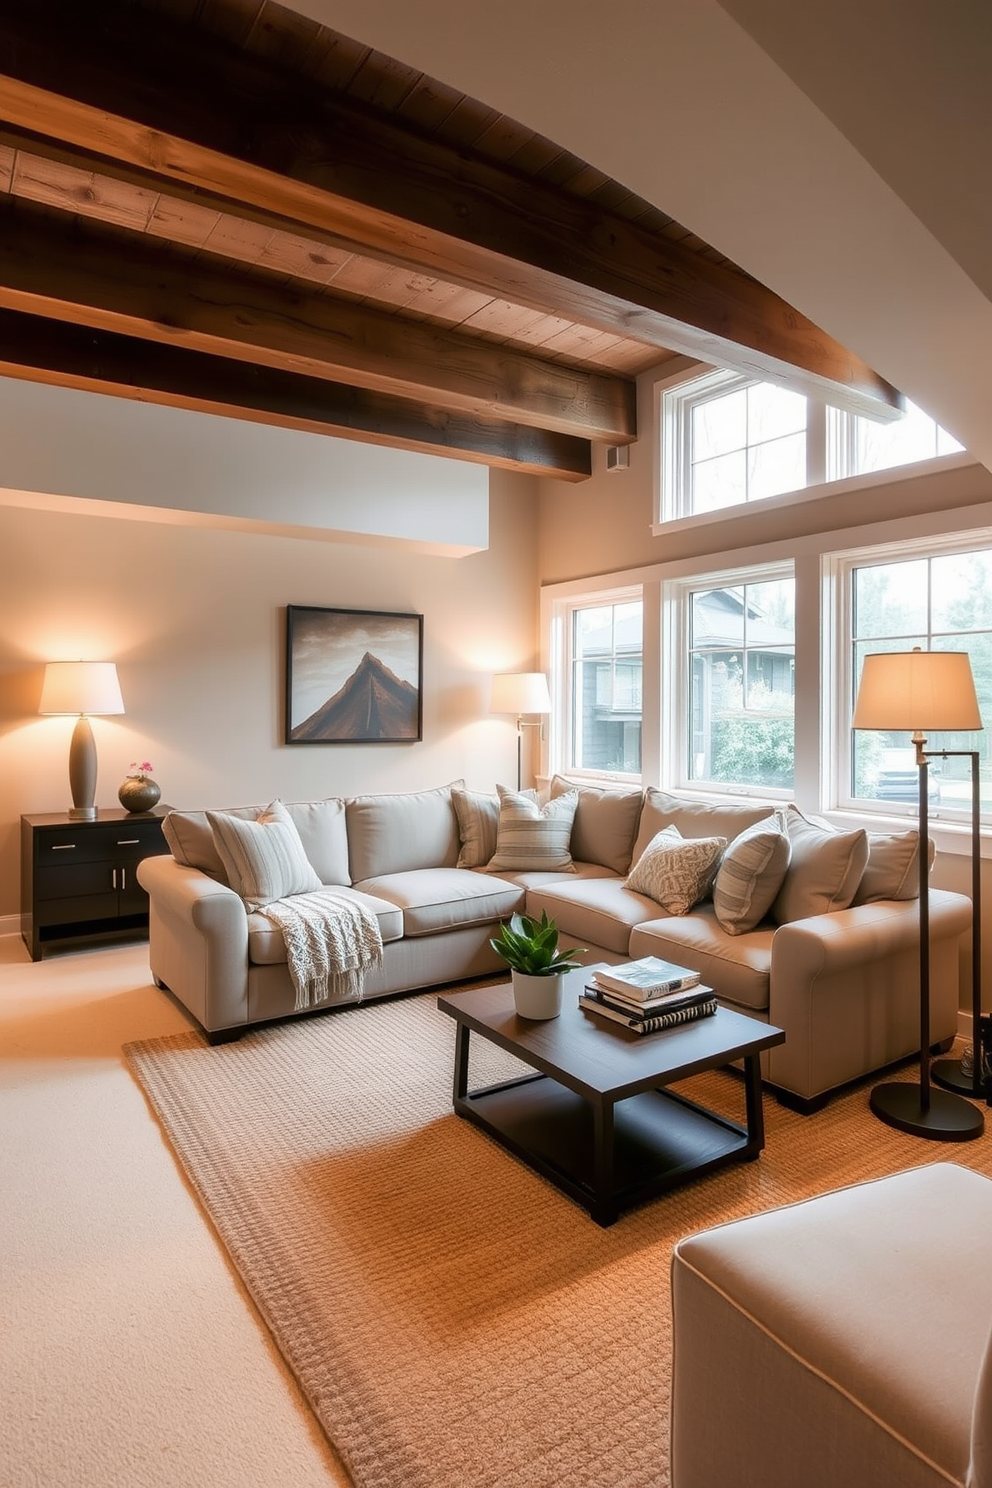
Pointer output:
x,y
141,767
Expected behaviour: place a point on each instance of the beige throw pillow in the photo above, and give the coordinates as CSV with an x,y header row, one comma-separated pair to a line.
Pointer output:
x,y
824,872
676,871
264,859
532,837
606,821
751,873
893,870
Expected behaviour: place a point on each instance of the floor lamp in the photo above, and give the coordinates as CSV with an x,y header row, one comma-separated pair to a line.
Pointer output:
x,y
920,692
520,693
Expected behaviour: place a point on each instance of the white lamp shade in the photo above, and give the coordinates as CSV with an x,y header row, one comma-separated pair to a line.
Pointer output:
x,y
917,691
520,692
81,687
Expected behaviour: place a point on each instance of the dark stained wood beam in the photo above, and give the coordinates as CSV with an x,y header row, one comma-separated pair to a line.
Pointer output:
x,y
36,349
125,281
127,85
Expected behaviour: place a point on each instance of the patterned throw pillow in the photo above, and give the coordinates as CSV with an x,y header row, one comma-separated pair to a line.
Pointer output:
x,y
532,837
676,871
264,859
751,873
478,821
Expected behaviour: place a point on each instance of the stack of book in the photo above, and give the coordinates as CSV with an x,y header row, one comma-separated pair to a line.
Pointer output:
x,y
648,995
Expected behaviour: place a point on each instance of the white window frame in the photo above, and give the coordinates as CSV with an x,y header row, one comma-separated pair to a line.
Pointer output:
x,y
676,603
828,436
838,569
561,668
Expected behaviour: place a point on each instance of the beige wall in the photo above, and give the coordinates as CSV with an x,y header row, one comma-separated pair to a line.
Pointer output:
x,y
604,524
194,618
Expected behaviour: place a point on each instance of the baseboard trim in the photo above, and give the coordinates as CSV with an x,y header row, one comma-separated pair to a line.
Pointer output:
x,y
10,924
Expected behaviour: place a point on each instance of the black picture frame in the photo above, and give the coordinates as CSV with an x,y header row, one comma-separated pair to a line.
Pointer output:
x,y
353,676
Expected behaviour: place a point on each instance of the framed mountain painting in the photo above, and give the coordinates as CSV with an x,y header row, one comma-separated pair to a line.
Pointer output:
x,y
353,676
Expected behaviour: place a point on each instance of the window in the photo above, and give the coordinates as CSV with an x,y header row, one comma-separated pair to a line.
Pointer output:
x,y
728,439
733,717
940,602
604,667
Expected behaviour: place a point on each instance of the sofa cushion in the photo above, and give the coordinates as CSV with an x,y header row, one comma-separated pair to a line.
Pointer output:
x,y
538,878
605,825
438,899
737,967
530,836
824,871
751,873
321,825
264,859
676,871
401,832
478,820
693,818
893,869
267,945
593,911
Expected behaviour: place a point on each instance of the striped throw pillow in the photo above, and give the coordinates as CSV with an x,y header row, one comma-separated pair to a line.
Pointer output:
x,y
264,859
478,822
751,873
532,837
676,871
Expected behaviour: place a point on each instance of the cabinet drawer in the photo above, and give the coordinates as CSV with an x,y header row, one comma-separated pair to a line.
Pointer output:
x,y
106,840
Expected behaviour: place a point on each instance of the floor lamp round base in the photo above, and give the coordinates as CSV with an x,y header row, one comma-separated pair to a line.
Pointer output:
x,y
948,1072
948,1118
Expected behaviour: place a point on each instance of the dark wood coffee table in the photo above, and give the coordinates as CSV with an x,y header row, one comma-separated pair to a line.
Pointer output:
x,y
595,1117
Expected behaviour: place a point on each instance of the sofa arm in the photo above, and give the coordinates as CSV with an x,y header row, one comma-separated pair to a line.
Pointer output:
x,y
849,939
198,941
845,987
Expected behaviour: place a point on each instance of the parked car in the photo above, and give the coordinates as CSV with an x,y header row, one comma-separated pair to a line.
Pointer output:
x,y
899,777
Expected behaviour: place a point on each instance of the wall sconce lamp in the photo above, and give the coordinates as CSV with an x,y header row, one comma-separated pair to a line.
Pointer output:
x,y
922,691
520,693
82,687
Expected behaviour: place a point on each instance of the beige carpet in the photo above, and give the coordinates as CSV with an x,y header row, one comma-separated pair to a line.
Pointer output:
x,y
453,1319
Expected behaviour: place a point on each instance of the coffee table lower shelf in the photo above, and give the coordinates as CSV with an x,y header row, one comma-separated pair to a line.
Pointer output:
x,y
658,1139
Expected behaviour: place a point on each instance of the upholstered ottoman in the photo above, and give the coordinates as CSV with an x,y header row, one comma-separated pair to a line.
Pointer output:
x,y
839,1343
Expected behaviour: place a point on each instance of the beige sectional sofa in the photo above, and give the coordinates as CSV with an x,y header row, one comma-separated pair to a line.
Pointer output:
x,y
840,979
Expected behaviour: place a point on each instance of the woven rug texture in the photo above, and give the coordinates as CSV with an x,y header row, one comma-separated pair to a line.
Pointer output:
x,y
455,1321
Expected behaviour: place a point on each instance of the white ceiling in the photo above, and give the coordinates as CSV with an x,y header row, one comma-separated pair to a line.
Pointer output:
x,y
839,150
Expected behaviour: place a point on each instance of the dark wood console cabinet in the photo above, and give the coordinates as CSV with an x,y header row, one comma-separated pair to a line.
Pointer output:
x,y
79,882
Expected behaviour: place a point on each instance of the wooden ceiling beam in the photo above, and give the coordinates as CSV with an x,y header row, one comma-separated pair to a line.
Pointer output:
x,y
36,349
128,85
123,281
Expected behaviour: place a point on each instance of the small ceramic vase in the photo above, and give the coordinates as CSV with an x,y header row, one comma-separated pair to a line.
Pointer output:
x,y
138,793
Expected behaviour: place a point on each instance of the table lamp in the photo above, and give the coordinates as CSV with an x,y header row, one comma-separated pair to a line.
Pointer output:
x,y
84,688
520,693
920,692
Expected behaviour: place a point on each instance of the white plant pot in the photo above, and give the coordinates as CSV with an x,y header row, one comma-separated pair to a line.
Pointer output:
x,y
537,996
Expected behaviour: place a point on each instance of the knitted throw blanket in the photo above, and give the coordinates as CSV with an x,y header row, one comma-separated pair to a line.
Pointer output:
x,y
331,941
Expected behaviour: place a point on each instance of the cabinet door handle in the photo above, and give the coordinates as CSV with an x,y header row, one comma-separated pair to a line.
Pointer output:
x,y
128,841
113,878
63,846
123,878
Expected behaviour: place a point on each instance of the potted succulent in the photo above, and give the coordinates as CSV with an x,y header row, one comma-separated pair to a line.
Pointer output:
x,y
537,967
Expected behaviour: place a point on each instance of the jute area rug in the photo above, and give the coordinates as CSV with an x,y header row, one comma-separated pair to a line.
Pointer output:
x,y
454,1321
